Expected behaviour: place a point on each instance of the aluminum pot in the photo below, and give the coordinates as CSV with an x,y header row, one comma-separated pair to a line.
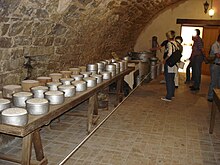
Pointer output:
x,y
44,80
77,77
66,73
15,116
66,81
106,75
86,74
117,65
69,90
9,90
101,65
53,86
91,81
117,71
126,64
80,85
82,68
122,65
99,78
28,84
55,97
153,60
92,67
110,67
113,60
104,62
39,91
37,106
55,77
75,70
4,104
19,99
108,61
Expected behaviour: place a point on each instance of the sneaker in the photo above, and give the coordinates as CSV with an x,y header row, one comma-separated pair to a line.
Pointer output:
x,y
194,89
165,99
210,100
162,82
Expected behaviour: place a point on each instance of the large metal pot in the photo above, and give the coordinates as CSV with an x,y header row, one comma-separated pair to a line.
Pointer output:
x,y
19,99
153,60
91,82
37,106
69,90
44,80
104,62
82,68
55,97
4,104
66,73
53,86
80,85
9,90
75,70
66,81
86,74
122,65
99,78
28,84
55,77
106,75
101,65
39,91
15,116
77,77
110,67
92,67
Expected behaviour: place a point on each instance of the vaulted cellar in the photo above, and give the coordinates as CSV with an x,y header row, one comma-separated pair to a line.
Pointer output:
x,y
57,34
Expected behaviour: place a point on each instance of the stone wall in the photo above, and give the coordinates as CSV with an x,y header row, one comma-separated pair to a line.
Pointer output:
x,y
58,34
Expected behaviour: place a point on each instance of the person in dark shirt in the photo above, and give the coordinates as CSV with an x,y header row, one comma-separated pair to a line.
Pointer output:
x,y
197,58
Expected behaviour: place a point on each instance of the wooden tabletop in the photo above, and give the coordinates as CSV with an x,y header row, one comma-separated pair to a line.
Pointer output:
x,y
35,122
216,97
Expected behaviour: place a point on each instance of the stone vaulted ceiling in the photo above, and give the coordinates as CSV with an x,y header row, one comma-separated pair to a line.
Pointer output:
x,y
58,34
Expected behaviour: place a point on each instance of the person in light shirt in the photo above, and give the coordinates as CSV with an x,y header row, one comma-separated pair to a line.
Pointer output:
x,y
170,72
214,68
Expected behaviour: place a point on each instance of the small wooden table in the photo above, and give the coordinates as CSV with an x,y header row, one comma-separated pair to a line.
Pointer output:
x,y
30,133
215,105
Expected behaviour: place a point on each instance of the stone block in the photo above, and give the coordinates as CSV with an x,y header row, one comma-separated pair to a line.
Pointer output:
x,y
5,42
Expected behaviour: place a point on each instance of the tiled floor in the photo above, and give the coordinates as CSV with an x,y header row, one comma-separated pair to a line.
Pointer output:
x,y
144,130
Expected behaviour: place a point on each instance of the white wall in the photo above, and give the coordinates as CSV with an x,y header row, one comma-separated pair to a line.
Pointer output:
x,y
166,20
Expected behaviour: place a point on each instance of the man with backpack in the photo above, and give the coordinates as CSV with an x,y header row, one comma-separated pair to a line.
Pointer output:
x,y
214,68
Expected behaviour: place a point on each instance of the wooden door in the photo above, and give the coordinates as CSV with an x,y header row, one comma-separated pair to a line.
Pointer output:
x,y
210,35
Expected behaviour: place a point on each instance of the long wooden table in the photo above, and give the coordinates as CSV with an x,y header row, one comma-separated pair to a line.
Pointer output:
x,y
215,106
30,133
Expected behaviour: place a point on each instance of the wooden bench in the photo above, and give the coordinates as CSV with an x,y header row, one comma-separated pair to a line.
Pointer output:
x,y
30,133
215,106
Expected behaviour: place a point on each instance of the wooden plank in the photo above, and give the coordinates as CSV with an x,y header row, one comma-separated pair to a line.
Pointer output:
x,y
38,145
92,106
10,158
201,22
26,149
215,106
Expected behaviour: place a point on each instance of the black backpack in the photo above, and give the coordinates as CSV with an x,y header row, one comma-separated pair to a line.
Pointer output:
x,y
174,57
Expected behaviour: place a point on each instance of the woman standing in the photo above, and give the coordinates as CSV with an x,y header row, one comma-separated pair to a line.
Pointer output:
x,y
170,72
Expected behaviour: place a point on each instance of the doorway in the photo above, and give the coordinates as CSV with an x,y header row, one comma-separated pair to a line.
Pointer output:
x,y
186,34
